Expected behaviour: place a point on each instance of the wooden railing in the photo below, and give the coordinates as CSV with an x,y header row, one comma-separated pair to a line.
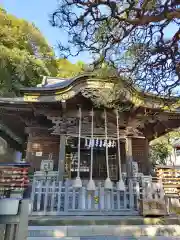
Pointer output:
x,y
143,195
60,198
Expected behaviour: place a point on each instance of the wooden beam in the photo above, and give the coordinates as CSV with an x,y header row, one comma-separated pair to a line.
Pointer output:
x,y
15,109
31,129
12,135
15,115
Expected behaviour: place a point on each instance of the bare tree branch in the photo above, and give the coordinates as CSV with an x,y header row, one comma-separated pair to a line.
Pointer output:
x,y
140,38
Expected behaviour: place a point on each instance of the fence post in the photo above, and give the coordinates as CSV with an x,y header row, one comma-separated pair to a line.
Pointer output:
x,y
59,197
66,197
101,197
137,190
33,195
131,194
53,194
46,194
82,199
39,195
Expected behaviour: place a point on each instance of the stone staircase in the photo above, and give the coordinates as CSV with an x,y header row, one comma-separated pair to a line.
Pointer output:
x,y
104,232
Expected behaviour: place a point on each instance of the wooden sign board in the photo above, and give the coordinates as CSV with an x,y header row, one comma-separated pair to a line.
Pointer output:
x,y
153,207
38,154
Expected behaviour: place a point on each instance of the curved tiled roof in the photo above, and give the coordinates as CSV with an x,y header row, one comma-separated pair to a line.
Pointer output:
x,y
60,84
90,85
54,83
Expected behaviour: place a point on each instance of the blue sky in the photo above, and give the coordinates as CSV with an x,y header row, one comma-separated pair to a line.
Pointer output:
x,y
38,11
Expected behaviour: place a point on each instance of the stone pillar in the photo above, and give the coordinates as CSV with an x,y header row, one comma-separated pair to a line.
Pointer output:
x,y
62,155
22,226
10,230
2,231
129,156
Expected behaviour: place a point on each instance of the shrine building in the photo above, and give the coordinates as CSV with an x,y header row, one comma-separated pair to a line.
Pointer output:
x,y
93,132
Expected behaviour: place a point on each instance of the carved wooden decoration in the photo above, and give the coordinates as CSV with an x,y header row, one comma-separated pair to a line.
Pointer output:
x,y
69,125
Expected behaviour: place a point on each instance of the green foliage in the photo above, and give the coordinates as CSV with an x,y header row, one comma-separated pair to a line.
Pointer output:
x,y
161,147
159,153
24,55
67,69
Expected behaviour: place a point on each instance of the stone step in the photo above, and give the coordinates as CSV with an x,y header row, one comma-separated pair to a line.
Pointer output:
x,y
107,238
108,232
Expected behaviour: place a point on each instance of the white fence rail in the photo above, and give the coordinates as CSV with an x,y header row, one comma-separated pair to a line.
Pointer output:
x,y
60,198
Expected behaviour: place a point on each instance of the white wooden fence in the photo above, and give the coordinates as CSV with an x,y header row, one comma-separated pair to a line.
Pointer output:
x,y
60,198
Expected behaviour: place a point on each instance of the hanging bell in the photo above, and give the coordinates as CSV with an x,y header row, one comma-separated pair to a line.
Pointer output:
x,y
91,185
101,143
108,184
77,183
120,185
105,143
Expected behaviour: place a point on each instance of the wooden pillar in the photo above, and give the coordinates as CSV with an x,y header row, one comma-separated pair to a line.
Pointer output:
x,y
147,164
62,155
129,156
62,146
